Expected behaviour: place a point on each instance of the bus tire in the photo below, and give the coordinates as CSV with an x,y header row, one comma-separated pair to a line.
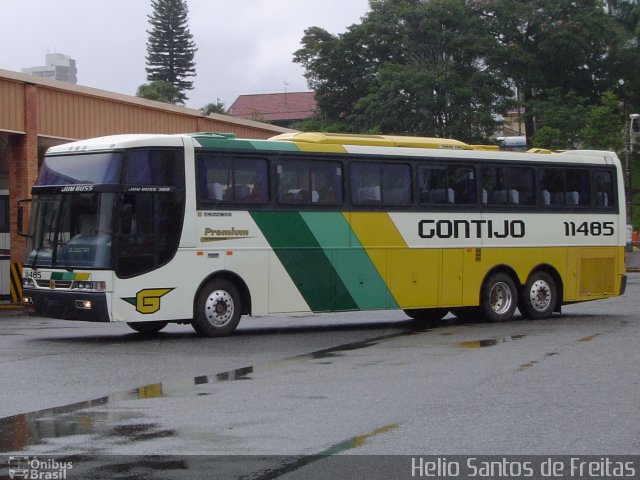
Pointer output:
x,y
539,296
147,327
499,297
218,309
426,315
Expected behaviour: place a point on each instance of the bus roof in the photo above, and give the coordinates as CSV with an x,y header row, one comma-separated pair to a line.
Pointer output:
x,y
372,140
391,145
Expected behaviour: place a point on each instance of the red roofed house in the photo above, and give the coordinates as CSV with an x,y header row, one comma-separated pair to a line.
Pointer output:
x,y
281,109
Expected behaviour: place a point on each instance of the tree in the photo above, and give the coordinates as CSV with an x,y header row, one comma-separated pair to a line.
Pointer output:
x,y
217,107
604,129
412,67
161,91
170,46
551,44
627,55
559,117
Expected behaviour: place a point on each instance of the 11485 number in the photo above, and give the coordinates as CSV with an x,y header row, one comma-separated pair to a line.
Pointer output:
x,y
589,229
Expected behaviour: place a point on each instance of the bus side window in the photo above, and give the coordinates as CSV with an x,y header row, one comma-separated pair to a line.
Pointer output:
x,y
365,183
396,182
508,185
603,183
238,180
577,188
452,184
434,185
552,187
380,183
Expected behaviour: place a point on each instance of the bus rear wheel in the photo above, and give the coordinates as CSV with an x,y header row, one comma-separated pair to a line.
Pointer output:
x,y
218,309
499,297
539,296
426,315
147,327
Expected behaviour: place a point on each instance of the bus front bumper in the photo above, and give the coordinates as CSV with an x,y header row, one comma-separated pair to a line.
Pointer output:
x,y
66,305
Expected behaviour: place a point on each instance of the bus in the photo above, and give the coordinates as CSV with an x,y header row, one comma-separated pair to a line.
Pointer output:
x,y
203,228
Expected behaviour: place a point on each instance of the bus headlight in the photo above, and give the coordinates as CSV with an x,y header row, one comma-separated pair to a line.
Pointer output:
x,y
86,285
83,304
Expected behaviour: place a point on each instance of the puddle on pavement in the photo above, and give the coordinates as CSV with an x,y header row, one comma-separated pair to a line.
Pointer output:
x,y
530,364
90,418
121,427
21,431
589,338
489,342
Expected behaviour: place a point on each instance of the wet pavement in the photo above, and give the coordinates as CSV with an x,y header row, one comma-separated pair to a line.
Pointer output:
x,y
297,390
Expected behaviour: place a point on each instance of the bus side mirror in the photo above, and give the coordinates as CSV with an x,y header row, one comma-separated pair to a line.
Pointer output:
x,y
21,216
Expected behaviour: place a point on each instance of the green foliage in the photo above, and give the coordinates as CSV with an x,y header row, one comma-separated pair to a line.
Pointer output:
x,y
559,117
442,68
412,67
604,129
170,46
217,107
552,45
160,91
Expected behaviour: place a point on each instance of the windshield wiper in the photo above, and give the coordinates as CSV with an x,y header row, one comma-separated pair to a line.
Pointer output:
x,y
35,259
66,257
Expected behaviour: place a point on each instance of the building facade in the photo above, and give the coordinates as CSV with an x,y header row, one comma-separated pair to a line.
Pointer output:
x,y
57,67
37,113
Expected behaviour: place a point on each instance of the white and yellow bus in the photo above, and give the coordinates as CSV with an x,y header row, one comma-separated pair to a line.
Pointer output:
x,y
204,228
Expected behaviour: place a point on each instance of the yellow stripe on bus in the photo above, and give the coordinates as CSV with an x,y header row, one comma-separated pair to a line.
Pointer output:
x,y
412,275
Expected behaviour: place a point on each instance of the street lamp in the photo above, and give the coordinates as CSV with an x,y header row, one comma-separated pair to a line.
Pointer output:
x,y
633,132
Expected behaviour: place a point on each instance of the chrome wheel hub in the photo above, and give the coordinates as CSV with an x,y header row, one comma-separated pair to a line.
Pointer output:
x,y
540,295
219,308
501,298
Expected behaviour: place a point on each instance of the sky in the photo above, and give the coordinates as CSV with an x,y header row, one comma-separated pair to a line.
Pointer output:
x,y
244,46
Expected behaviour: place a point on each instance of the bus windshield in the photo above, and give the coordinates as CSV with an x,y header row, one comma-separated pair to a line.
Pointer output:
x,y
71,231
73,224
90,168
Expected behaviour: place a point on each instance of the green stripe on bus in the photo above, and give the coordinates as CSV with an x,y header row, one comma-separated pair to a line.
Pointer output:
x,y
305,261
227,144
67,276
349,260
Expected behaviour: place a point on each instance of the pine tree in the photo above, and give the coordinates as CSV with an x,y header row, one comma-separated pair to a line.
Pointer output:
x,y
170,47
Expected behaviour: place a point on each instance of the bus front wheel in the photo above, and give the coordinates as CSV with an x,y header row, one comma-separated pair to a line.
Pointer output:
x,y
499,297
218,309
539,296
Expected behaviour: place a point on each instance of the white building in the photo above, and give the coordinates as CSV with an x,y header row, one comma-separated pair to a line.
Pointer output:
x,y
58,67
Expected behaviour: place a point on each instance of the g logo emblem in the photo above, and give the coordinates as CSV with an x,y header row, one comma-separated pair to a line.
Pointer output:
x,y
147,301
